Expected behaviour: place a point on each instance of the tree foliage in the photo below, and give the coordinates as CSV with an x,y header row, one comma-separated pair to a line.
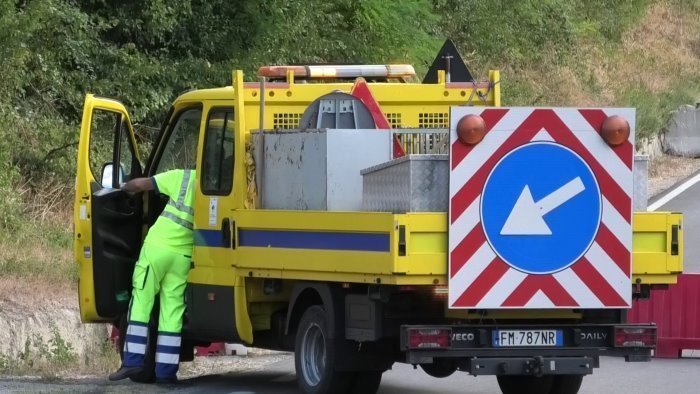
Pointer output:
x,y
146,52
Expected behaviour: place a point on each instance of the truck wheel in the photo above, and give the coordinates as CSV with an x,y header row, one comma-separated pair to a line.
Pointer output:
x,y
366,382
149,363
314,356
566,384
524,384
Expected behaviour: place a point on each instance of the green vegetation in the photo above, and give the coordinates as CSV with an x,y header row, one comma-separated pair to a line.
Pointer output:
x,y
54,357
640,53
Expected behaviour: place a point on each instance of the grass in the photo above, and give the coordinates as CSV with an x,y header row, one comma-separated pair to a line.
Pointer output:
x,y
638,53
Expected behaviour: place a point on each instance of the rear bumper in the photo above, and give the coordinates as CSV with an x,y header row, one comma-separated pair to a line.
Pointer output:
x,y
472,348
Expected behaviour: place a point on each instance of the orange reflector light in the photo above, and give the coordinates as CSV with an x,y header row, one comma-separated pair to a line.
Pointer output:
x,y
615,130
471,129
429,338
339,71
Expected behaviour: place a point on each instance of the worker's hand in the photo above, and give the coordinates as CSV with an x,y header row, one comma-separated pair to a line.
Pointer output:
x,y
127,190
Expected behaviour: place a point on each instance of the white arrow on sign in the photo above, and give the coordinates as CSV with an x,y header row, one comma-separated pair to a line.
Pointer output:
x,y
527,216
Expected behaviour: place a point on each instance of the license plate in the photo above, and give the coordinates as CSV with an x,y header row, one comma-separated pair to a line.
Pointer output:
x,y
514,338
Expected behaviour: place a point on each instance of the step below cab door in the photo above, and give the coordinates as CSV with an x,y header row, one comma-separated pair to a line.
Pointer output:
x,y
108,222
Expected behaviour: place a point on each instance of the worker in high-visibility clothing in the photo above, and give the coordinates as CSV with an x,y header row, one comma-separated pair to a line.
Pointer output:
x,y
162,268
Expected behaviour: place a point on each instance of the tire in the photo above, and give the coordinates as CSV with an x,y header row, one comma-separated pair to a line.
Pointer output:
x,y
366,382
439,368
149,363
525,384
566,384
314,356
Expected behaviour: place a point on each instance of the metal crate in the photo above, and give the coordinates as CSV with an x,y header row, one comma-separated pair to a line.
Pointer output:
x,y
413,183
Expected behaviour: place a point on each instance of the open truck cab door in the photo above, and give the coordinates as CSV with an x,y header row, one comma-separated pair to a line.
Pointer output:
x,y
108,222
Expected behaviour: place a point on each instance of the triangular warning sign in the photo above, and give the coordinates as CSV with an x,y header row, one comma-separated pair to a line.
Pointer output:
x,y
449,55
360,90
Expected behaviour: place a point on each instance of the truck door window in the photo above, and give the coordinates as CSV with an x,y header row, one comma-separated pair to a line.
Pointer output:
x,y
217,158
181,148
105,126
127,159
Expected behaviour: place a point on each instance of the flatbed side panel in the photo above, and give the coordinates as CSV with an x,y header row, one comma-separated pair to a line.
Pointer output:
x,y
345,256
657,247
316,242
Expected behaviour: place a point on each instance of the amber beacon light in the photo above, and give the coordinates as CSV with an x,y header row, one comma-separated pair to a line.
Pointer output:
x,y
471,129
615,130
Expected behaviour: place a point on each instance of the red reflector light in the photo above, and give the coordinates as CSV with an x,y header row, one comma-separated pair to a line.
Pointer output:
x,y
635,336
429,338
440,292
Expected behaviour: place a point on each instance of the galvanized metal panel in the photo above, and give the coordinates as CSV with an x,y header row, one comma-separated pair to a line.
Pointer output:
x,y
641,175
293,170
350,151
413,183
316,170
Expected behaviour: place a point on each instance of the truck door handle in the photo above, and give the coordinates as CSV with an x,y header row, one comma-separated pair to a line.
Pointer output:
x,y
674,240
233,234
226,233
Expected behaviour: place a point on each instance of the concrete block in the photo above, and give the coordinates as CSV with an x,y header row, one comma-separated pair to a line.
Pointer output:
x,y
640,195
235,349
682,134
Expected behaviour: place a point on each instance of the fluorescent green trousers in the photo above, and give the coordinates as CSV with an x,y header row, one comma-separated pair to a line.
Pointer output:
x,y
158,272
165,272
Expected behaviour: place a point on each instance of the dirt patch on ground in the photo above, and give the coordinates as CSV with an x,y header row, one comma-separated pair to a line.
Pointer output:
x,y
665,171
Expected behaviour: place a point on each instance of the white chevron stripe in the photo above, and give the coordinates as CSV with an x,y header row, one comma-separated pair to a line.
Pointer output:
x,y
469,271
592,141
617,224
577,289
539,300
502,289
486,148
464,224
610,271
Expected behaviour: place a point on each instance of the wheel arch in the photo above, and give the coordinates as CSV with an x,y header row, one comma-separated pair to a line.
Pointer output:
x,y
306,294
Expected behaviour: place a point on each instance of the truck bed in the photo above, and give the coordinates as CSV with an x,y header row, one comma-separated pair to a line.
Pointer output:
x,y
403,249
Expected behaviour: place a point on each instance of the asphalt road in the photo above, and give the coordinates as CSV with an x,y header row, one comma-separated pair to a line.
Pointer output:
x,y
687,203
615,376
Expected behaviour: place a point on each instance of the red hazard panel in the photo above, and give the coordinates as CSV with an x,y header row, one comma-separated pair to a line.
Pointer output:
x,y
361,90
540,211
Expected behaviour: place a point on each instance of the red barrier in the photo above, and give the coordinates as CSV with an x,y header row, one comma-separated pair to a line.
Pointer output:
x,y
676,312
215,349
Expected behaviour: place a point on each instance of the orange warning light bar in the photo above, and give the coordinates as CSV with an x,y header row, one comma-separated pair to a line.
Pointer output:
x,y
339,71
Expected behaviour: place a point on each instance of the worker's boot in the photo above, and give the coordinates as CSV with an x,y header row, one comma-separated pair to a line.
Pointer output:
x,y
125,372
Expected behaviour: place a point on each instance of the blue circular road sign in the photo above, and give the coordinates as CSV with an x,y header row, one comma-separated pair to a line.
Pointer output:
x,y
541,208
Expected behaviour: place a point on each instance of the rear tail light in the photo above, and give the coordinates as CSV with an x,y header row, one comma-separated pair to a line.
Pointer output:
x,y
440,292
429,338
635,336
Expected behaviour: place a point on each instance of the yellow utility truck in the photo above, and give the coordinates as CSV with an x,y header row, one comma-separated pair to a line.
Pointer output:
x,y
359,218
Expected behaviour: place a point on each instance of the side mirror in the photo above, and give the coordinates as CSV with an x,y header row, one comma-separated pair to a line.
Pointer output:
x,y
107,174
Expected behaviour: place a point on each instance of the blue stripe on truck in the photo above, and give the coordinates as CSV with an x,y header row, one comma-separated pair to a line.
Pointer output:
x,y
208,238
367,242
